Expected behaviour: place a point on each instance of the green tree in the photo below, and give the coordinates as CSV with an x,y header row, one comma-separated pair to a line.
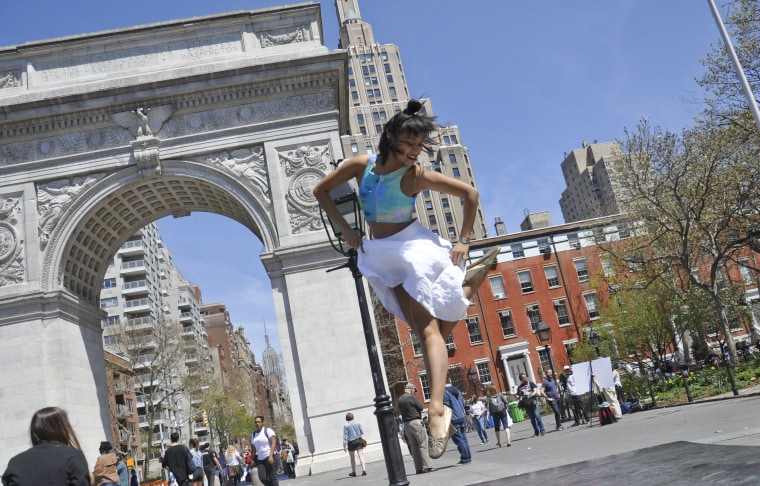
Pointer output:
x,y
693,198
726,104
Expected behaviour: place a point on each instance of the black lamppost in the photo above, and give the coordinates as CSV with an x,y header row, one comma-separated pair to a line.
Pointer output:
x,y
545,335
345,199
593,338
684,367
472,375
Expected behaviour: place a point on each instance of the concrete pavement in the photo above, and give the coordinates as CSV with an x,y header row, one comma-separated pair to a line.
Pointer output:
x,y
640,449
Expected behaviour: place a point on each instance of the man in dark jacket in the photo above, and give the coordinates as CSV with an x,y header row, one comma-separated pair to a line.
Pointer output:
x,y
175,460
453,399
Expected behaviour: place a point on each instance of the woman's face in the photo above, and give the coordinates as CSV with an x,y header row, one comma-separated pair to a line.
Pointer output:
x,y
410,147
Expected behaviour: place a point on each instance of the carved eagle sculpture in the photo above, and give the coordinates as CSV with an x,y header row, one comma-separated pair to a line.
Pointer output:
x,y
143,122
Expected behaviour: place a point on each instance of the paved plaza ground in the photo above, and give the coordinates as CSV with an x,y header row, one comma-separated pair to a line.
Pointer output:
x,y
709,442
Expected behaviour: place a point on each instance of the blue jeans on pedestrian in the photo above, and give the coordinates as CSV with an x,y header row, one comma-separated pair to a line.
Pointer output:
x,y
480,426
460,439
535,419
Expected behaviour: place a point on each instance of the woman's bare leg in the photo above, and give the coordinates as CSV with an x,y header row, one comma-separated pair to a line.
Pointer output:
x,y
430,332
360,452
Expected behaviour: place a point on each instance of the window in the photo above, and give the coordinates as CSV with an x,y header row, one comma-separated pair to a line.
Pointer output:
x,y
352,83
428,204
543,246
560,307
110,340
574,241
484,372
450,344
746,272
354,95
360,118
445,202
384,56
387,67
363,130
354,148
109,283
431,220
109,302
534,314
543,357
389,78
570,348
593,310
581,269
425,383
517,250
416,345
526,284
446,140
369,149
507,324
497,287
552,278
473,329
110,321
452,158
608,266
455,171
365,70
449,218
392,90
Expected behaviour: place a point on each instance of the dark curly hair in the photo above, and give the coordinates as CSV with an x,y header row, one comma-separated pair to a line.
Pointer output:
x,y
410,122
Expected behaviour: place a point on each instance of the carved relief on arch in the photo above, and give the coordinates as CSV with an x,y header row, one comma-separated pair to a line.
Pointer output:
x,y
12,270
305,166
53,198
248,165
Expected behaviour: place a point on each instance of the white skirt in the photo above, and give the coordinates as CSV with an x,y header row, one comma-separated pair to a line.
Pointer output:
x,y
420,260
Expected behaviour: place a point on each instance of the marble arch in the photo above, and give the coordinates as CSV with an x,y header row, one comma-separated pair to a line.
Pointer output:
x,y
237,114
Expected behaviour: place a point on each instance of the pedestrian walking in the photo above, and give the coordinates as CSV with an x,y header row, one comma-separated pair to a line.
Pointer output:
x,y
452,398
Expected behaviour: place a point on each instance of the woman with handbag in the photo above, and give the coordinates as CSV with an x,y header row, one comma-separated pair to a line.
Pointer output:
x,y
354,443
234,469
529,393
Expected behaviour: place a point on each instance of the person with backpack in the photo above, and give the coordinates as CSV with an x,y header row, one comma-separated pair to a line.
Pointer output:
x,y
497,406
264,443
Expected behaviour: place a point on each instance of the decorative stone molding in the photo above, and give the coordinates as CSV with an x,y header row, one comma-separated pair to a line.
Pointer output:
x,y
288,35
54,197
146,152
305,165
62,145
10,78
265,111
12,268
247,164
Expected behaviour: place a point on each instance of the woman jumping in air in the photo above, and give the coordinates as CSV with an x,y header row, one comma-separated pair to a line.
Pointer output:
x,y
417,275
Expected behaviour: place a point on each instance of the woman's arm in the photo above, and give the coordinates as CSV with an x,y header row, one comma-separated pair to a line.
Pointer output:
x,y
272,445
430,179
352,168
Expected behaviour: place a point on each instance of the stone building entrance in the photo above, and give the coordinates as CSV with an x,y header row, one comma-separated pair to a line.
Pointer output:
x,y
236,114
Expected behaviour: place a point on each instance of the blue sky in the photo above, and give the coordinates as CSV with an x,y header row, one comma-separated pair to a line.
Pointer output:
x,y
525,82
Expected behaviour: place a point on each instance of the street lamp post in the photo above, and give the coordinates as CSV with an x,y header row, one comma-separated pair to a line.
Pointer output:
x,y
347,203
593,338
472,375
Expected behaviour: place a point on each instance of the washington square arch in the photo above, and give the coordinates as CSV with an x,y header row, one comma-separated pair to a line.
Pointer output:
x,y
237,114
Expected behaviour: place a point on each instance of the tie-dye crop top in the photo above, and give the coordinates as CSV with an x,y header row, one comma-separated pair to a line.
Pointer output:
x,y
382,198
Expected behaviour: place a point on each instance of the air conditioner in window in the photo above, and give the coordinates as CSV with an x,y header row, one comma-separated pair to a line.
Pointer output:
x,y
546,249
472,320
451,346
499,296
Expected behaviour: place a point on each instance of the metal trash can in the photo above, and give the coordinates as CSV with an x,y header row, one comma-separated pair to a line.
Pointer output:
x,y
515,412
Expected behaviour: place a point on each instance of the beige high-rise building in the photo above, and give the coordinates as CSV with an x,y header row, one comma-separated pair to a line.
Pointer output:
x,y
377,91
142,292
591,191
